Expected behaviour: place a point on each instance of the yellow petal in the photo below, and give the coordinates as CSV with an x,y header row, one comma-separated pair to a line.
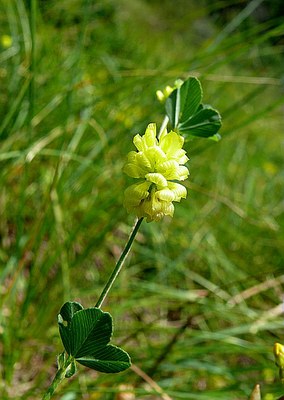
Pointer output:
x,y
133,170
171,143
180,156
169,169
139,143
165,195
134,194
156,155
150,135
143,161
179,191
182,173
168,208
157,178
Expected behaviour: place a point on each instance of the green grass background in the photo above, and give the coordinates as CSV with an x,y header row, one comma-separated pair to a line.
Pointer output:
x,y
199,303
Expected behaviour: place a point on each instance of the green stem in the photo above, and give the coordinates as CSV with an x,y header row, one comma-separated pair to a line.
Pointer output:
x,y
119,263
163,126
60,375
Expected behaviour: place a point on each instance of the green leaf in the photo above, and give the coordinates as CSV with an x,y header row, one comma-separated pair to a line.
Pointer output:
x,y
190,98
204,123
171,106
69,309
184,101
66,314
90,328
85,334
107,359
188,116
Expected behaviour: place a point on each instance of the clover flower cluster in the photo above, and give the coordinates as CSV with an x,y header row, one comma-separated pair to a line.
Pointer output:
x,y
158,163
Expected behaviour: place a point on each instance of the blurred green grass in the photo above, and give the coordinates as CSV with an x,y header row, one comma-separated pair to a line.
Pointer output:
x,y
199,304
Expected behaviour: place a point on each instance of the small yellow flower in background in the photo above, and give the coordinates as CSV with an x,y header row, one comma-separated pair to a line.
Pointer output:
x,y
270,168
158,163
6,41
278,351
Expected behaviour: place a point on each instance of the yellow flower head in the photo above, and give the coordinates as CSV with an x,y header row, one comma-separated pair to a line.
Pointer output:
x,y
158,163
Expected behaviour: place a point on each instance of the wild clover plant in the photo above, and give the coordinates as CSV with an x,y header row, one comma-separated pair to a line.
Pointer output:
x,y
159,164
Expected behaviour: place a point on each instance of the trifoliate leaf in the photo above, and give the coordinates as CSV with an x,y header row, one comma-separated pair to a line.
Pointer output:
x,y
188,116
85,334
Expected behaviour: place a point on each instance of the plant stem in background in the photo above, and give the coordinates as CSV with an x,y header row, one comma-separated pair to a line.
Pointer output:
x,y
32,61
119,263
168,347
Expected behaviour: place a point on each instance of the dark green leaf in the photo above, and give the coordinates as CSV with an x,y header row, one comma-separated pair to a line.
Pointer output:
x,y
90,329
205,123
68,310
107,359
85,334
190,98
184,101
171,108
